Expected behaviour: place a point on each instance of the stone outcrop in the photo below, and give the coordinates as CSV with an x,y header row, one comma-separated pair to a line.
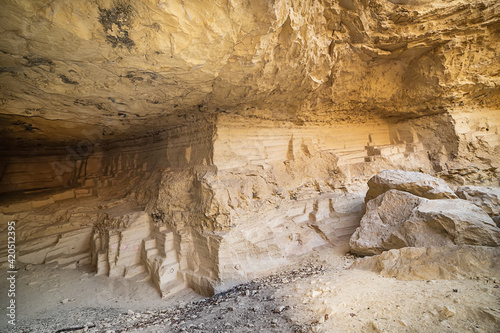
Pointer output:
x,y
399,219
432,263
417,183
220,139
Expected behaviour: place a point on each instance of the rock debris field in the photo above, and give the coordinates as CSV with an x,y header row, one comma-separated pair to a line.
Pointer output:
x,y
320,293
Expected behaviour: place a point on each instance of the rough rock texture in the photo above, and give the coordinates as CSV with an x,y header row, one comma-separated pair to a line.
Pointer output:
x,y
485,197
420,184
219,139
432,263
399,219
68,68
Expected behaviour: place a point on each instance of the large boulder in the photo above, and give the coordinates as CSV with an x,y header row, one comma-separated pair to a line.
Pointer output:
x,y
399,219
485,197
417,183
445,262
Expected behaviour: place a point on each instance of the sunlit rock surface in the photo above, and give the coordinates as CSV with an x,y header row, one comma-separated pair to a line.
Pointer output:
x,y
205,143
432,263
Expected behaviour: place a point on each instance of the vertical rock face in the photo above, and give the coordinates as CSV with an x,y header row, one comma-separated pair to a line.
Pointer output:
x,y
202,144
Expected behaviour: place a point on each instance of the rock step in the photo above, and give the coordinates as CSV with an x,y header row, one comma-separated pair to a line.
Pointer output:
x,y
168,273
170,258
351,153
164,241
386,150
171,287
132,271
299,219
149,243
338,223
152,253
63,259
165,261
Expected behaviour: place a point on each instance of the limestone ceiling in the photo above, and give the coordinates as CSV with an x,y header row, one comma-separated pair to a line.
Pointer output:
x,y
129,68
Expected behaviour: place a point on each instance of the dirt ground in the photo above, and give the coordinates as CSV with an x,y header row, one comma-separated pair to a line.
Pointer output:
x,y
318,293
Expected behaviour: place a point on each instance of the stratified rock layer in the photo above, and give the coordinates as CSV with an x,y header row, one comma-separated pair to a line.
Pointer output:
x,y
129,68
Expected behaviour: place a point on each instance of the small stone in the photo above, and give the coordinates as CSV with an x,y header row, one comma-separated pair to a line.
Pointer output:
x,y
279,309
375,326
64,301
130,312
447,312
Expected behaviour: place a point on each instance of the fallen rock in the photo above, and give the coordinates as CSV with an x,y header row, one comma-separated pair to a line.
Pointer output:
x,y
487,198
399,219
462,221
431,263
417,183
383,218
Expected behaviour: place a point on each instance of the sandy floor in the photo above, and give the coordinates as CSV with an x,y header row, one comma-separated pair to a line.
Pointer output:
x,y
318,294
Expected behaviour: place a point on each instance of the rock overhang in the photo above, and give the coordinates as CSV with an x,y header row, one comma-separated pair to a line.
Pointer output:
x,y
128,69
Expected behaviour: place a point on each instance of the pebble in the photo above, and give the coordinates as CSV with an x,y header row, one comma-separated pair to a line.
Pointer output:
x,y
447,312
279,309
